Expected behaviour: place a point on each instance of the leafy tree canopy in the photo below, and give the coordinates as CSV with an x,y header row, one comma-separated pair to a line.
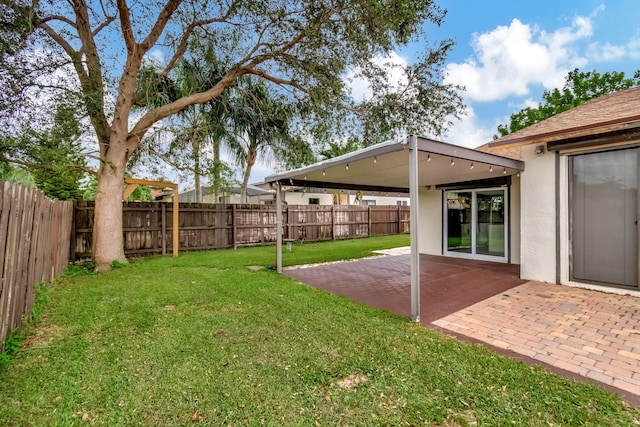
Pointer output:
x,y
579,88
96,50
16,174
335,149
52,155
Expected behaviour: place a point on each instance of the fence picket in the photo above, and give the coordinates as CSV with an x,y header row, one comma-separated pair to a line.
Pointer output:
x,y
35,240
222,226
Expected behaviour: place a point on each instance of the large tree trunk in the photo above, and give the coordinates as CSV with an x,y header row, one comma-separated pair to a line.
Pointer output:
x,y
108,245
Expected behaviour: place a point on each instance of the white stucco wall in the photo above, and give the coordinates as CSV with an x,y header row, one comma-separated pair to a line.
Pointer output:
x,y
564,219
538,216
380,200
430,221
299,198
514,220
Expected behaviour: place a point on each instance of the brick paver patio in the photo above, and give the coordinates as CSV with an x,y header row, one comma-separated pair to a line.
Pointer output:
x,y
591,333
573,331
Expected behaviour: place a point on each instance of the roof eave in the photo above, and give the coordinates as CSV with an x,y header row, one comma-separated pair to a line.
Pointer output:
x,y
574,132
365,153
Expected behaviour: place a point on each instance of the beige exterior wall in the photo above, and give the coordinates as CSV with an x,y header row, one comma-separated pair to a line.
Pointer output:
x,y
514,220
299,198
380,200
564,219
430,221
538,219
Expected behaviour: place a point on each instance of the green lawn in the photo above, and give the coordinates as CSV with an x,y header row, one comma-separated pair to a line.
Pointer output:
x,y
204,340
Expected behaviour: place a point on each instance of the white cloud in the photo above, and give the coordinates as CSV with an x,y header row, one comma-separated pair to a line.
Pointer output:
x,y
604,52
509,59
468,132
156,57
394,64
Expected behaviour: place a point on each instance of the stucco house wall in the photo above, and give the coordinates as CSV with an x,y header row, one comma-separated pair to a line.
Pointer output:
x,y
514,219
300,198
538,219
430,221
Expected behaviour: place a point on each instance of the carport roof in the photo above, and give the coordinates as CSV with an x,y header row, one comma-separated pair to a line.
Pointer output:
x,y
385,167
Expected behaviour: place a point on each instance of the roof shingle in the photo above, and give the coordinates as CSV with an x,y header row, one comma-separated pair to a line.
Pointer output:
x,y
614,111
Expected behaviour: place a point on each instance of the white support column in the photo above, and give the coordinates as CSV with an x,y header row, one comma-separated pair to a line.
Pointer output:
x,y
278,228
415,253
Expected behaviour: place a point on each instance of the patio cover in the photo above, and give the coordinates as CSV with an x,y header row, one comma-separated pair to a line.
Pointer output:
x,y
396,166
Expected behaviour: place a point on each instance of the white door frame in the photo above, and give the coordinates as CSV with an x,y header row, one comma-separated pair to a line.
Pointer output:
x,y
474,222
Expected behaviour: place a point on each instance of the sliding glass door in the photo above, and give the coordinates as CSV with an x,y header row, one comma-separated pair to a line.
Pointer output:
x,y
604,213
476,223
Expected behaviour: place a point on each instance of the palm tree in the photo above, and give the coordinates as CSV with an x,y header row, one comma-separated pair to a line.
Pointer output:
x,y
336,149
200,125
205,123
260,126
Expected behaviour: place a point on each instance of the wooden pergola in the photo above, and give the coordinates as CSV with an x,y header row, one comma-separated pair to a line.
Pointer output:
x,y
133,184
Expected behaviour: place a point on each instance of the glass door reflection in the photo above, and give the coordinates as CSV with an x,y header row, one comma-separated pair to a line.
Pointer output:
x,y
490,230
459,217
476,223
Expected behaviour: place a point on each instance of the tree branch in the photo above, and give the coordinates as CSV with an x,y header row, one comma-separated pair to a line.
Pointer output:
x,y
137,133
59,18
105,24
125,25
161,22
166,159
184,42
92,83
291,43
277,80
66,46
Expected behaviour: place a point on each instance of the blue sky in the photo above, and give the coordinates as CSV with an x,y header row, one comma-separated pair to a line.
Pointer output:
x,y
508,52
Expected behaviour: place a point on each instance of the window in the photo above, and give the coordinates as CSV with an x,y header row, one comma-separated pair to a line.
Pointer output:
x,y
368,202
314,201
401,203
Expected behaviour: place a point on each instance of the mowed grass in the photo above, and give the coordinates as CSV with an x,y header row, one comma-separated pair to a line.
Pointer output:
x,y
204,340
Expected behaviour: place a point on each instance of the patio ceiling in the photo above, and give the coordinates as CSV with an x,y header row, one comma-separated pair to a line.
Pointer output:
x,y
385,167
396,166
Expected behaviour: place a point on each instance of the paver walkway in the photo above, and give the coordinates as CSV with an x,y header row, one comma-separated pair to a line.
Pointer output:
x,y
448,284
591,333
573,331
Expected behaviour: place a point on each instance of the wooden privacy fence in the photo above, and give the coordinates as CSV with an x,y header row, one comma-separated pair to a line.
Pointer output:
x,y
148,227
34,238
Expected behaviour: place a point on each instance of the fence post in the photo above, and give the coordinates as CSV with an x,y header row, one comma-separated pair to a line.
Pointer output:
x,y
288,222
72,237
164,229
333,222
399,221
369,215
234,227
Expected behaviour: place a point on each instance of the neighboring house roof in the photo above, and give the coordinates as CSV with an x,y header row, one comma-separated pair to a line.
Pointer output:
x,y
317,190
252,191
614,112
